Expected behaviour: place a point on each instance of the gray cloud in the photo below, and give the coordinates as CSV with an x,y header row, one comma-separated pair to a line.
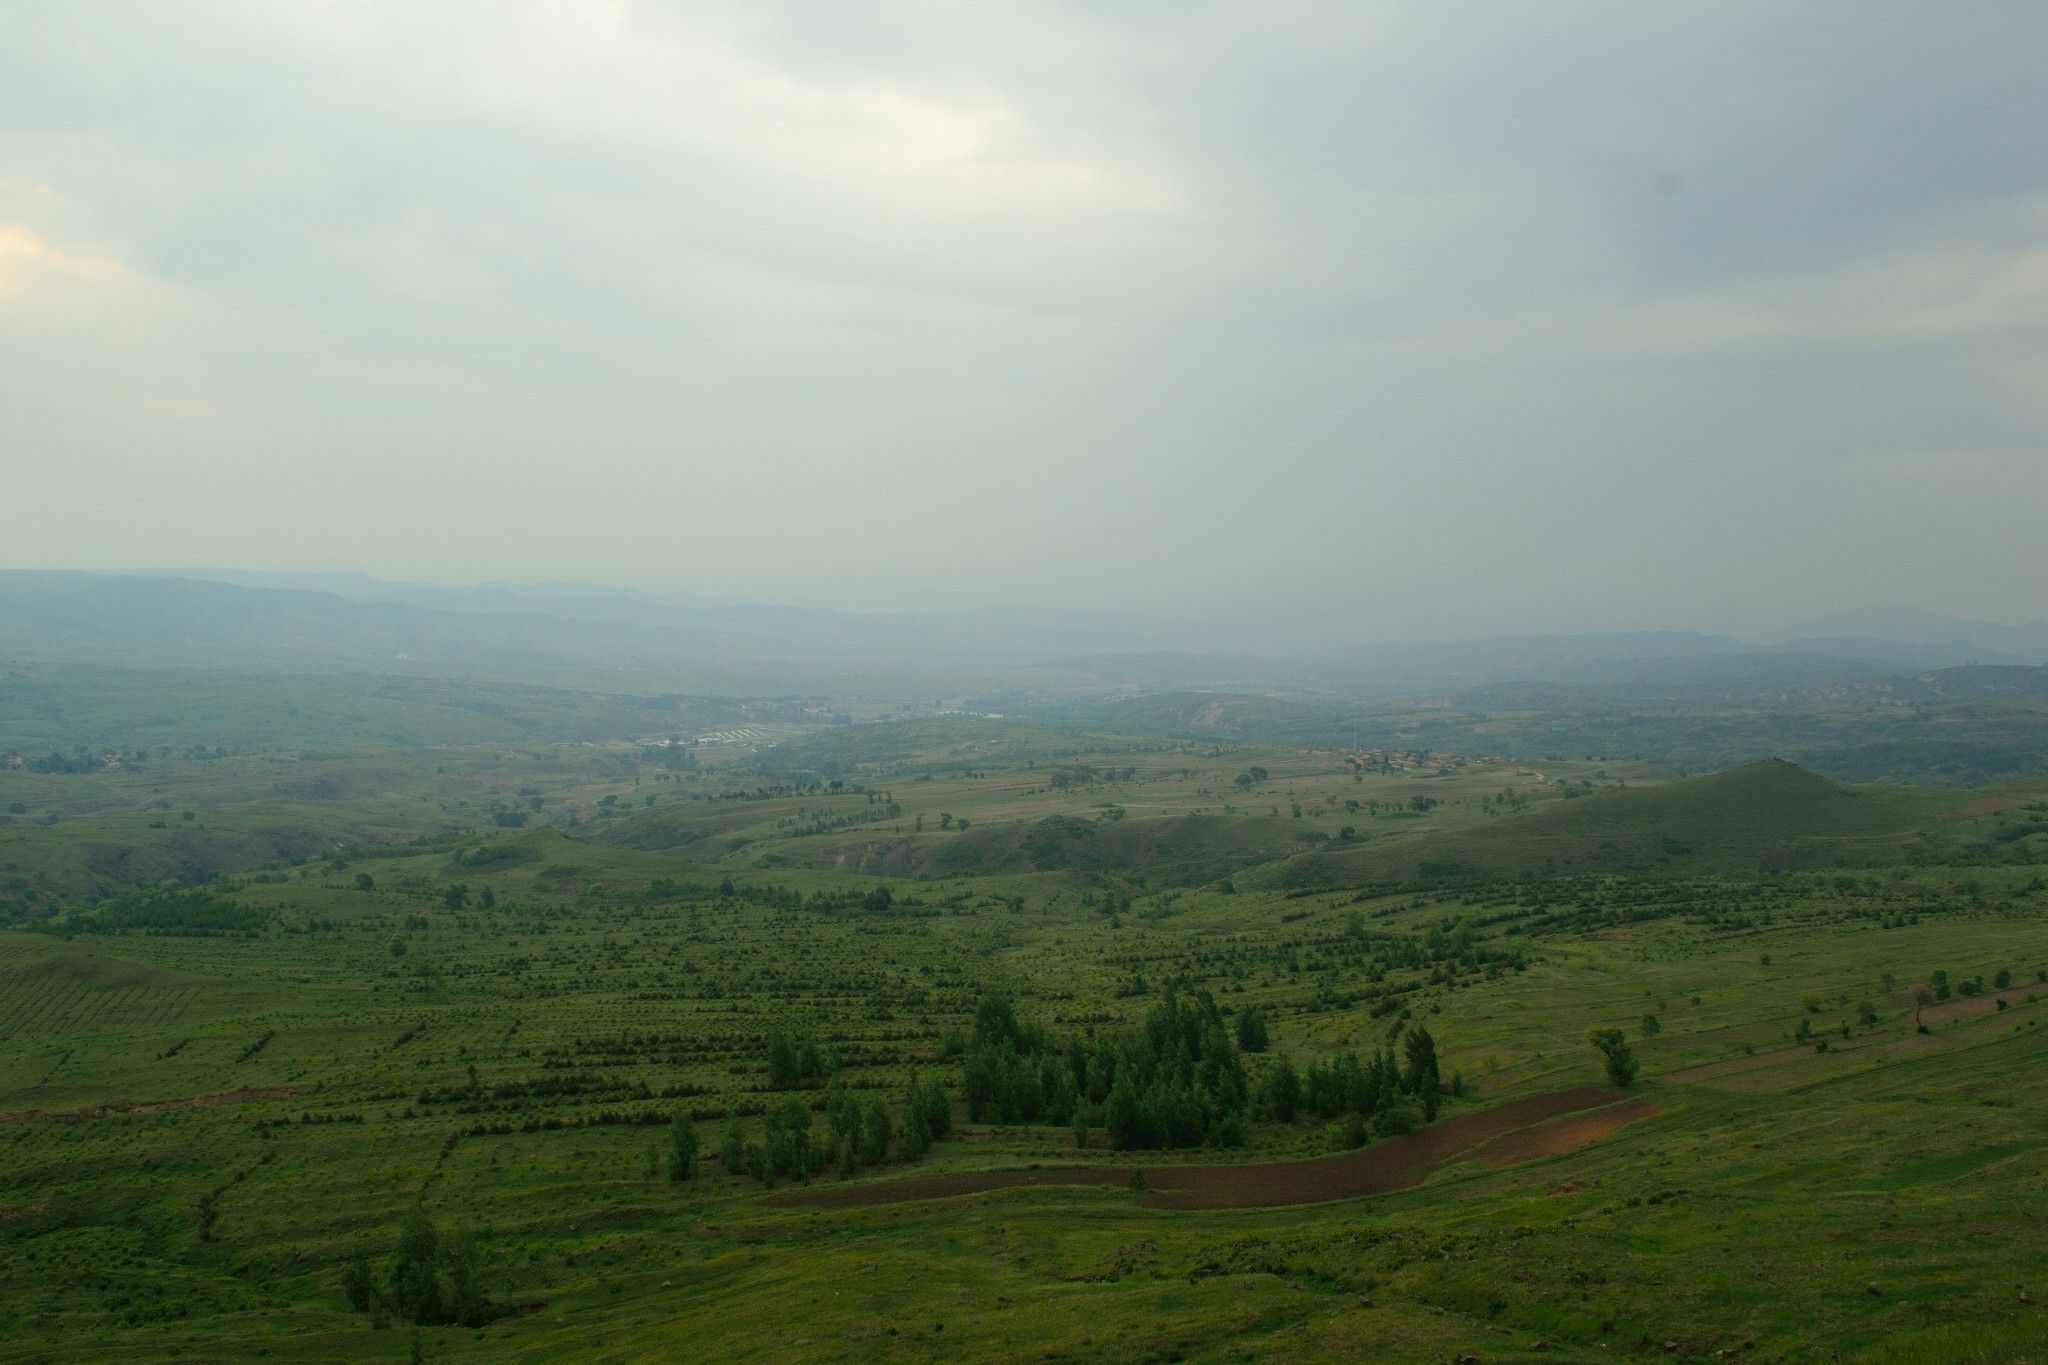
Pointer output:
x,y
1420,318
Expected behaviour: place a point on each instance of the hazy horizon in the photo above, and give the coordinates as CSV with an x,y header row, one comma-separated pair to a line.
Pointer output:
x,y
1437,323
1277,634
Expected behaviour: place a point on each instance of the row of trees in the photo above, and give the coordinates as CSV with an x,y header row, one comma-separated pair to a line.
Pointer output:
x,y
794,1145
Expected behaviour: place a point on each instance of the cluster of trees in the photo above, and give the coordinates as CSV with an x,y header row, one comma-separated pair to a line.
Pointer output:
x,y
79,760
1383,1096
432,1280
676,755
1178,1080
794,1145
875,900
1942,988
797,1064
177,912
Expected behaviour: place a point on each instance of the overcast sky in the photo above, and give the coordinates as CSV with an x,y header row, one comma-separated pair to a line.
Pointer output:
x,y
1436,317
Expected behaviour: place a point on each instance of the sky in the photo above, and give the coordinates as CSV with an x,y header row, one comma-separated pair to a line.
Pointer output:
x,y
1420,319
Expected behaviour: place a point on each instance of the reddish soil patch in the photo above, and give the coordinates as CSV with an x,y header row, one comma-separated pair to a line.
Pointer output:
x,y
245,1094
1562,1135
1393,1165
1986,805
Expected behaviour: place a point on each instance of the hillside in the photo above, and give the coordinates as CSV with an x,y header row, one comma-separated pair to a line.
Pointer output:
x,y
1762,817
1183,849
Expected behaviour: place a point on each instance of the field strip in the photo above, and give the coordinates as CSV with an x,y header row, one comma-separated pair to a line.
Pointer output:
x,y
1899,1047
100,1111
25,1018
1396,1164
106,1004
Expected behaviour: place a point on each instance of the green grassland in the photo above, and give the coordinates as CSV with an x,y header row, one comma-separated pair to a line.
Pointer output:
x,y
1958,726
210,1097
1761,818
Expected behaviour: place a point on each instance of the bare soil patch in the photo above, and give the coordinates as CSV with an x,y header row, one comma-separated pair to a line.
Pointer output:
x,y
1396,1164
1562,1135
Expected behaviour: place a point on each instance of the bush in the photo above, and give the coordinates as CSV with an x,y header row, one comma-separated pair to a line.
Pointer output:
x,y
1396,1117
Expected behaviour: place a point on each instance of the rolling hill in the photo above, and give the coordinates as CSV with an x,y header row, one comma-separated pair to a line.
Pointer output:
x,y
1762,817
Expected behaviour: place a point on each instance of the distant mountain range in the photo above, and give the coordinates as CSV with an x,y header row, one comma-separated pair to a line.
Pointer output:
x,y
1885,632
576,635
556,634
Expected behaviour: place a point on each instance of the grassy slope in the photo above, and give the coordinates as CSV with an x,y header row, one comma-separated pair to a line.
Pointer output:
x,y
1761,818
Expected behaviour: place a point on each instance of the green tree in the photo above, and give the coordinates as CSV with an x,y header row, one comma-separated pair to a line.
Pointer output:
x,y
786,1141
735,1152
1280,1091
416,1289
1614,1049
917,1130
877,1132
937,1109
357,1282
783,1065
682,1151
466,1304
1422,1077
1251,1029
